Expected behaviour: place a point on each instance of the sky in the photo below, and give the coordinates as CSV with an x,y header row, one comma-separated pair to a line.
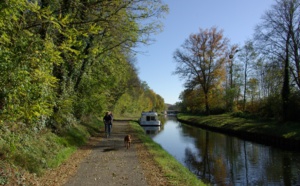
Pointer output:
x,y
237,19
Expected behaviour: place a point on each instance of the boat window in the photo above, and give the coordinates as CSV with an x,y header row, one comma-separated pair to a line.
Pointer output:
x,y
150,118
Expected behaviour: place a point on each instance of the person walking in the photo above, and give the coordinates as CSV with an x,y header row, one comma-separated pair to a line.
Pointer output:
x,y
107,119
112,118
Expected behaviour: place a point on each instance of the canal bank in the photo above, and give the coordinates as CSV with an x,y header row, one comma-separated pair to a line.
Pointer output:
x,y
282,135
220,159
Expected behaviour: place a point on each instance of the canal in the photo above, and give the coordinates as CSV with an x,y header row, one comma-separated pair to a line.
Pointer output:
x,y
225,160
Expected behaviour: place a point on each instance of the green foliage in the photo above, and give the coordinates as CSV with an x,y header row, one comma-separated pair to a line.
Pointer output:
x,y
30,150
271,107
206,72
61,156
245,115
124,105
58,61
26,81
76,136
38,151
64,61
294,106
230,95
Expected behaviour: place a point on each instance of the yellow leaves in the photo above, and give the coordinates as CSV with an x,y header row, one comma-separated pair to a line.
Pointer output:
x,y
33,6
65,20
51,54
37,114
44,77
4,39
66,47
54,23
290,134
28,33
95,29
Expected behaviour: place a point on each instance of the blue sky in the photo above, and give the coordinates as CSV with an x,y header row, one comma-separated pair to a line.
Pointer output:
x,y
237,18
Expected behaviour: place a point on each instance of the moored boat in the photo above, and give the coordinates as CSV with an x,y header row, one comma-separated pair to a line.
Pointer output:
x,y
149,119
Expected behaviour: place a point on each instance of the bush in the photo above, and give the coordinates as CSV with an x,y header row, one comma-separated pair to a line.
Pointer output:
x,y
246,115
294,107
35,151
271,107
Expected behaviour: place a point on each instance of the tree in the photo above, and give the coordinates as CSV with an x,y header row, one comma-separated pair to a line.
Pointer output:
x,y
26,84
232,85
268,73
253,89
201,61
247,56
65,58
190,101
278,35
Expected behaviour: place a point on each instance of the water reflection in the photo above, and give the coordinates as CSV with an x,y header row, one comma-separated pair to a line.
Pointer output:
x,y
151,130
225,160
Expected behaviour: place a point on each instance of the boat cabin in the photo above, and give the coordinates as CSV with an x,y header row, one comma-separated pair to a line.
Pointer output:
x,y
149,119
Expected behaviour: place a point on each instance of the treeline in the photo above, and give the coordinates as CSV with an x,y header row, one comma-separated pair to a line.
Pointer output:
x,y
259,79
63,60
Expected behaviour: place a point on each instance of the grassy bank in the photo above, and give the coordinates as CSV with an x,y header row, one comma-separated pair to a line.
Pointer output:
x,y
176,173
26,154
235,124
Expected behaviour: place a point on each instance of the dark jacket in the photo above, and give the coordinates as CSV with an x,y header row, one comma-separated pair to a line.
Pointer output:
x,y
107,119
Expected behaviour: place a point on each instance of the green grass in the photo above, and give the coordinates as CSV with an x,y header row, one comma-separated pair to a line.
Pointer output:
x,y
34,152
134,117
227,121
175,172
37,153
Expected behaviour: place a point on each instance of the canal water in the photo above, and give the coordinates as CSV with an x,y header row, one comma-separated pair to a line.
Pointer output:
x,y
224,160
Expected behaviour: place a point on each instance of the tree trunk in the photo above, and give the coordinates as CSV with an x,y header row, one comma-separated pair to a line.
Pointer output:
x,y
83,65
207,109
286,83
245,86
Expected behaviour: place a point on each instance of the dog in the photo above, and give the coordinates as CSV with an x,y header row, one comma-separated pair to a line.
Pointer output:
x,y
127,141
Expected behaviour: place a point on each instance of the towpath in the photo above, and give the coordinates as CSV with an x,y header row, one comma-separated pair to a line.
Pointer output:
x,y
109,163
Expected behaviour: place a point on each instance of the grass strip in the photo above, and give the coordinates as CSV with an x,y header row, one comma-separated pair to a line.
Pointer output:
x,y
288,130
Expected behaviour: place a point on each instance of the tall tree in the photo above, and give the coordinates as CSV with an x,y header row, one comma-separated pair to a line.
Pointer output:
x,y
278,35
201,61
253,89
247,56
232,85
26,84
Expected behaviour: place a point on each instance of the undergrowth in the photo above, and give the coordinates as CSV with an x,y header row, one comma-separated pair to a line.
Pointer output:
x,y
31,152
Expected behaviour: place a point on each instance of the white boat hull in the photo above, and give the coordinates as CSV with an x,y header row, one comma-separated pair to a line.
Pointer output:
x,y
150,123
149,119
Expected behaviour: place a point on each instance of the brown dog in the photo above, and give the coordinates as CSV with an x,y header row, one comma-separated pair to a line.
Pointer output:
x,y
127,141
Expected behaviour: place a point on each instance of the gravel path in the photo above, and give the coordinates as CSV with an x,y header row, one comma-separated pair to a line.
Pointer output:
x,y
110,163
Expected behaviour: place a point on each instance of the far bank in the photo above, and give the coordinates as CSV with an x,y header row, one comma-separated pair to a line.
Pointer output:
x,y
269,132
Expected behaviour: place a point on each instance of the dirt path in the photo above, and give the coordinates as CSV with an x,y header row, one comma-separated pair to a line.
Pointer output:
x,y
110,163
